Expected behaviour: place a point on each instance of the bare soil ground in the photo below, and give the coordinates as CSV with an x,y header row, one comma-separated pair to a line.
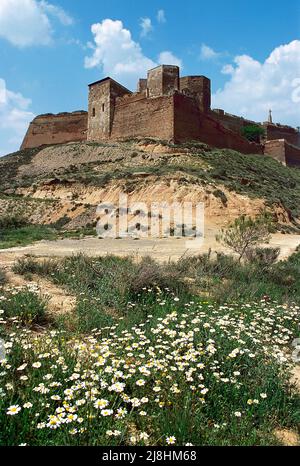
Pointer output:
x,y
164,249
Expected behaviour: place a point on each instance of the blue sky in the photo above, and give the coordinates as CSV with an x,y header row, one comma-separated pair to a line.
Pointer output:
x,y
251,52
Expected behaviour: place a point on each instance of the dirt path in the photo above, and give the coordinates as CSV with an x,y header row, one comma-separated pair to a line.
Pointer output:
x,y
160,249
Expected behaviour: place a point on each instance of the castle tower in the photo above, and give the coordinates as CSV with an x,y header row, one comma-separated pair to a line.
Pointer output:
x,y
162,81
198,87
102,95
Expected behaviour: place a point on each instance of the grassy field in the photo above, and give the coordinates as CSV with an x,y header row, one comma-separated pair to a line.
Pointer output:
x,y
152,354
16,231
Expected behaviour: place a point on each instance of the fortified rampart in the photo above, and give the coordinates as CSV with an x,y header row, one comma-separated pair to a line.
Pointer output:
x,y
281,150
233,122
56,129
277,131
272,130
138,116
165,106
193,124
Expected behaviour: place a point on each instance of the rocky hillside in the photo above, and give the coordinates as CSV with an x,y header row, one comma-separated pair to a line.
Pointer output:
x,y
64,183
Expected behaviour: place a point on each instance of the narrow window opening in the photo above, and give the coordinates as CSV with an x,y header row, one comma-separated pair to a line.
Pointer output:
x,y
94,112
103,107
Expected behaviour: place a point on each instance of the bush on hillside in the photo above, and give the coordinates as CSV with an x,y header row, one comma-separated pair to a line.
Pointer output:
x,y
244,233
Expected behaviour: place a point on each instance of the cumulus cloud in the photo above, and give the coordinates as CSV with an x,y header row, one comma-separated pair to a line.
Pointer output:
x,y
146,26
14,118
255,87
28,22
161,17
208,53
118,55
168,58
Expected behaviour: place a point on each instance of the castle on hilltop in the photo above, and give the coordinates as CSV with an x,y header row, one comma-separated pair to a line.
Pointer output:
x,y
167,107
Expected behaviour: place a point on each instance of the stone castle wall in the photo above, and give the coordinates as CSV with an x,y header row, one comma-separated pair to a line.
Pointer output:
x,y
272,131
282,132
162,80
176,118
292,155
281,150
276,149
138,116
102,97
191,123
233,122
166,107
198,87
56,129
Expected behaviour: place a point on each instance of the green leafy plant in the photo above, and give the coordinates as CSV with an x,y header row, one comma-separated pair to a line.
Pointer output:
x,y
253,132
245,233
27,306
263,256
2,277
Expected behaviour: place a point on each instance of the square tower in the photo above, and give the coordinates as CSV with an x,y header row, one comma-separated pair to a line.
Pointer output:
x,y
162,81
199,88
102,96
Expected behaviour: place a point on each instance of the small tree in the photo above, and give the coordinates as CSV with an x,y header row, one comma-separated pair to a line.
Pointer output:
x,y
253,132
245,233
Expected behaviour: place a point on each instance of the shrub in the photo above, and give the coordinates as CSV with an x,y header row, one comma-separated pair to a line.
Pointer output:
x,y
150,274
219,194
253,133
263,256
29,307
245,233
29,265
2,277
12,221
60,223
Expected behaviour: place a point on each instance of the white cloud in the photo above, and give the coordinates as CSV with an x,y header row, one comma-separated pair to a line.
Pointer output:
x,y
256,87
161,17
57,12
207,53
227,69
167,58
119,56
26,22
146,26
14,118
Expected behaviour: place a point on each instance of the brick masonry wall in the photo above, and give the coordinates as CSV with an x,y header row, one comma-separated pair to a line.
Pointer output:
x,y
276,149
162,80
102,98
138,116
292,155
198,87
190,123
56,129
99,111
284,152
232,122
282,132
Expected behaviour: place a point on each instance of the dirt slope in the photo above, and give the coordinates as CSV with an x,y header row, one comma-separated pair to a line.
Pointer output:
x,y
65,183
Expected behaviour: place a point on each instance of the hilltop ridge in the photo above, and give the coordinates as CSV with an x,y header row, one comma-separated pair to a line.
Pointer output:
x,y
67,182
